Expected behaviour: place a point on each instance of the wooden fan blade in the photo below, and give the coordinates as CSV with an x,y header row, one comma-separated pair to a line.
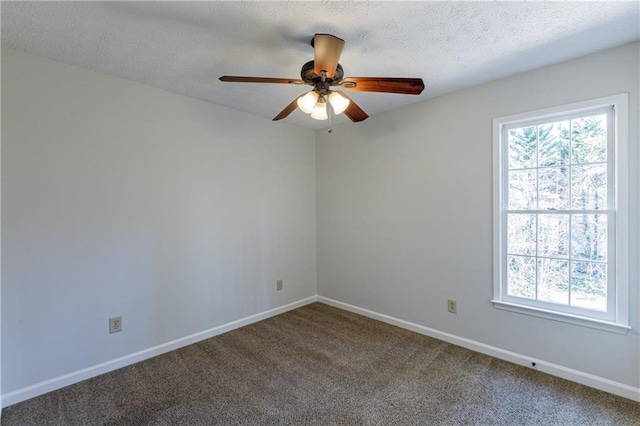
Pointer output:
x,y
353,111
236,79
405,86
326,53
287,110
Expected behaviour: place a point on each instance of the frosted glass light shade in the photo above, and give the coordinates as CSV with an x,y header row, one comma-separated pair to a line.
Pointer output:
x,y
308,102
320,111
338,102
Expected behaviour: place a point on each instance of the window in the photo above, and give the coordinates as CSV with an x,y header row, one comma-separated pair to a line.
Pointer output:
x,y
560,213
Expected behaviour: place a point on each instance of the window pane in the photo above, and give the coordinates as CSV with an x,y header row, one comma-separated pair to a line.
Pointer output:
x,y
521,276
589,236
553,185
553,281
521,234
556,180
589,285
522,190
553,235
589,139
589,187
522,147
553,144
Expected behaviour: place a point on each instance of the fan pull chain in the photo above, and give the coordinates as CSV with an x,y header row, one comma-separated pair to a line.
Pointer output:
x,y
330,110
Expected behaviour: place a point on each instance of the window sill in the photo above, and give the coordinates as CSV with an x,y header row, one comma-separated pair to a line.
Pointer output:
x,y
562,317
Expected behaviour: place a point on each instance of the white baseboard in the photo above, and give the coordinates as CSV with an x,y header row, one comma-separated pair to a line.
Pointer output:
x,y
56,383
586,379
557,370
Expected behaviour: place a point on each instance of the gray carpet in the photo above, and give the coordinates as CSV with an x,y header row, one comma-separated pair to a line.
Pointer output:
x,y
323,366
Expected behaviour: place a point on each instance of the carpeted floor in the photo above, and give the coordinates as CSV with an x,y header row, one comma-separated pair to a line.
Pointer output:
x,y
323,366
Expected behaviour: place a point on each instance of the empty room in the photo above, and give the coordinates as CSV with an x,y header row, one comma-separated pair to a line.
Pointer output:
x,y
318,213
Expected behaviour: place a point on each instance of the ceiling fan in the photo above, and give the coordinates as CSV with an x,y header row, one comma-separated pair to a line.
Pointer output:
x,y
323,73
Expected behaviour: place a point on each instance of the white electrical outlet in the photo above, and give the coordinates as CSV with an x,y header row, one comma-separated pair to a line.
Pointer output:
x,y
452,306
279,285
115,325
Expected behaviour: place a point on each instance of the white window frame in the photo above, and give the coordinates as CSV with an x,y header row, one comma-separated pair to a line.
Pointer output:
x,y
617,317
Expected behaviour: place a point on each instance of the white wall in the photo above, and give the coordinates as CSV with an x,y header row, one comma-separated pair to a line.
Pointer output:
x,y
122,199
405,214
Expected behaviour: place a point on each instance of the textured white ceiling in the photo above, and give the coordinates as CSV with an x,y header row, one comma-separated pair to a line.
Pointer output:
x,y
185,46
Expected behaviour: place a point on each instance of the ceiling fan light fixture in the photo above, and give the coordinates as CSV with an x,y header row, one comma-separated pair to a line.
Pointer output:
x,y
339,102
320,110
308,102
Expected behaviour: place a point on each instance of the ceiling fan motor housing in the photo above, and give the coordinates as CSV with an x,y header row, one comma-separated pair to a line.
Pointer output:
x,y
309,76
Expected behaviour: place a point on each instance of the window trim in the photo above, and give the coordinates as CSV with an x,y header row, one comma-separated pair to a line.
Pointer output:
x,y
620,322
